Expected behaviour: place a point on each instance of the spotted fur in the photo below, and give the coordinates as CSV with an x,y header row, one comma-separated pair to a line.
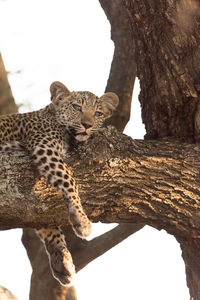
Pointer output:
x,y
45,135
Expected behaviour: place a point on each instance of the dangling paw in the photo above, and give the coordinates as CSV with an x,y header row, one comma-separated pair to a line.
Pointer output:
x,y
62,266
60,259
80,223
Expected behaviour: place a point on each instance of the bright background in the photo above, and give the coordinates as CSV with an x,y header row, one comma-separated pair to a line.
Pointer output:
x,y
46,40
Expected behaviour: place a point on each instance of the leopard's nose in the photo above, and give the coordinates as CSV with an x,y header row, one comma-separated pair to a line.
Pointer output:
x,y
87,125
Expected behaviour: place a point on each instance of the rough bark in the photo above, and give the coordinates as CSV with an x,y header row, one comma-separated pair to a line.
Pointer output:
x,y
120,180
123,69
166,35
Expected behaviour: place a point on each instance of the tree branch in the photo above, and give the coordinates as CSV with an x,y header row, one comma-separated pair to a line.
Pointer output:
x,y
121,180
84,251
123,68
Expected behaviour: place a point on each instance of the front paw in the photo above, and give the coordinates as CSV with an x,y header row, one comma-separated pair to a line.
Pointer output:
x,y
80,224
82,229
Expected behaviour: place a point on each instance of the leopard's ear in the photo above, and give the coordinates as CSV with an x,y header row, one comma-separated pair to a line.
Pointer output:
x,y
109,103
58,92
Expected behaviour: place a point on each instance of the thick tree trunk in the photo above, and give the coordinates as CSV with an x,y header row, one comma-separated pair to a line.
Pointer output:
x,y
166,35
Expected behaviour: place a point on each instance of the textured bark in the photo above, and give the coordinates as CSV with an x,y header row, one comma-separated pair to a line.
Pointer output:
x,y
166,37
167,44
191,255
120,180
7,103
123,69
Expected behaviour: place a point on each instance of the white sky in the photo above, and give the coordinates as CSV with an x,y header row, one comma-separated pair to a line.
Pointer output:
x,y
48,40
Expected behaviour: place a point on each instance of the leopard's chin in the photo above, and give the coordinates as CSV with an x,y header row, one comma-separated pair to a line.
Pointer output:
x,y
82,137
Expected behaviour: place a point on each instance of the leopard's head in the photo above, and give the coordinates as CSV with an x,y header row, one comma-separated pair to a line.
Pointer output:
x,y
82,113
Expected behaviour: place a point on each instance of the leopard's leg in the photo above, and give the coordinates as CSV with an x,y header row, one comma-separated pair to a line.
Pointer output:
x,y
59,257
53,168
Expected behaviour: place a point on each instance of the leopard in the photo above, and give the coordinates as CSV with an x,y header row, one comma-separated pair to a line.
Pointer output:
x,y
45,135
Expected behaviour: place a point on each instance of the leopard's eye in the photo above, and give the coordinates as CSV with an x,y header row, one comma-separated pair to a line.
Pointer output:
x,y
77,107
98,114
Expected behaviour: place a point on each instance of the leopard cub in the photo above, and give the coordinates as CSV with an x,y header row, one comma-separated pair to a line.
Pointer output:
x,y
45,135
